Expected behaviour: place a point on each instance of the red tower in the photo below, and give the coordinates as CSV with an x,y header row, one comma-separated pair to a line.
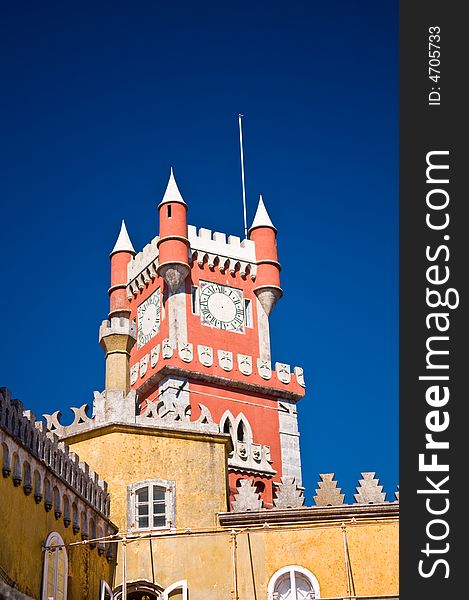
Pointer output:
x,y
201,302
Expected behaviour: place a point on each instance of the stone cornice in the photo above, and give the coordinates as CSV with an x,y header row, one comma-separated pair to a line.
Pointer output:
x,y
311,514
225,382
100,429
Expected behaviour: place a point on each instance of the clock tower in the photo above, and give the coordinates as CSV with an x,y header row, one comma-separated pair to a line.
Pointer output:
x,y
188,332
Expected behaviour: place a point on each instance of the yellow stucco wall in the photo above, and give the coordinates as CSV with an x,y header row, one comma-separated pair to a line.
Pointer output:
x,y
206,559
24,527
197,463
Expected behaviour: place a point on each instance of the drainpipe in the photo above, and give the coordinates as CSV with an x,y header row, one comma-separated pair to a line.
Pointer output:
x,y
124,568
234,545
347,565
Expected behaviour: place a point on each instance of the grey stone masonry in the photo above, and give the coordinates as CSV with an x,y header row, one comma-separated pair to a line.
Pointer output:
x,y
328,493
289,440
369,490
247,498
288,494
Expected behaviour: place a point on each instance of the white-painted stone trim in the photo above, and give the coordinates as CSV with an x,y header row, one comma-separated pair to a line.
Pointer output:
x,y
264,368
289,571
123,243
283,372
225,359
289,440
263,331
205,354
230,254
142,268
170,503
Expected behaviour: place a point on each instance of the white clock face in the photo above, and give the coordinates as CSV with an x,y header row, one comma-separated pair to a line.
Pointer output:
x,y
149,318
221,306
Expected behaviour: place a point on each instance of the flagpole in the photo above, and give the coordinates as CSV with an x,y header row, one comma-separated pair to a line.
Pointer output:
x,y
242,174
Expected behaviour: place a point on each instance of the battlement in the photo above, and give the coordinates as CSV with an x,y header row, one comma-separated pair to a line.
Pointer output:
x,y
288,495
142,268
35,440
117,326
228,252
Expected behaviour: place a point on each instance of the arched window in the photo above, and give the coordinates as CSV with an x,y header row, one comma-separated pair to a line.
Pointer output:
x,y
55,574
152,504
293,583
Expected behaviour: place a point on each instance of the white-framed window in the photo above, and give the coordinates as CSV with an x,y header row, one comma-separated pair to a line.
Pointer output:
x,y
54,586
195,299
248,322
293,583
152,504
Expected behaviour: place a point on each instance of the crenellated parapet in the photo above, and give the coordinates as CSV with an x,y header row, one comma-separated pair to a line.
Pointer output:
x,y
290,495
37,459
142,268
227,253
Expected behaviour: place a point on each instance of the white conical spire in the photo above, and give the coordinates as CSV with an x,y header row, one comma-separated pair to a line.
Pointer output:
x,y
262,218
172,193
123,243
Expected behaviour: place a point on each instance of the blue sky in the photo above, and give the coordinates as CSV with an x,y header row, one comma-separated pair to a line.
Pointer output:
x,y
100,99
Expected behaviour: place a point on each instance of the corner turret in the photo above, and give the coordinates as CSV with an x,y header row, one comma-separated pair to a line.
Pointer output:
x,y
121,255
173,244
263,233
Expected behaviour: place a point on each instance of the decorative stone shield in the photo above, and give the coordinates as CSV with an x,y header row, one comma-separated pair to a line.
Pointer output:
x,y
134,373
225,360
264,368
185,350
266,451
167,348
256,450
283,372
245,364
300,376
242,449
154,356
144,365
205,354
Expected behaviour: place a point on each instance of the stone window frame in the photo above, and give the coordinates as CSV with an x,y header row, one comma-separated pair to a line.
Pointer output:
x,y
290,570
55,555
170,503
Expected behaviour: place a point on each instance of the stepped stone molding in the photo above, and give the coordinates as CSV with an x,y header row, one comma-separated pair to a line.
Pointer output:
x,y
369,490
288,494
328,493
228,254
142,268
26,441
247,498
